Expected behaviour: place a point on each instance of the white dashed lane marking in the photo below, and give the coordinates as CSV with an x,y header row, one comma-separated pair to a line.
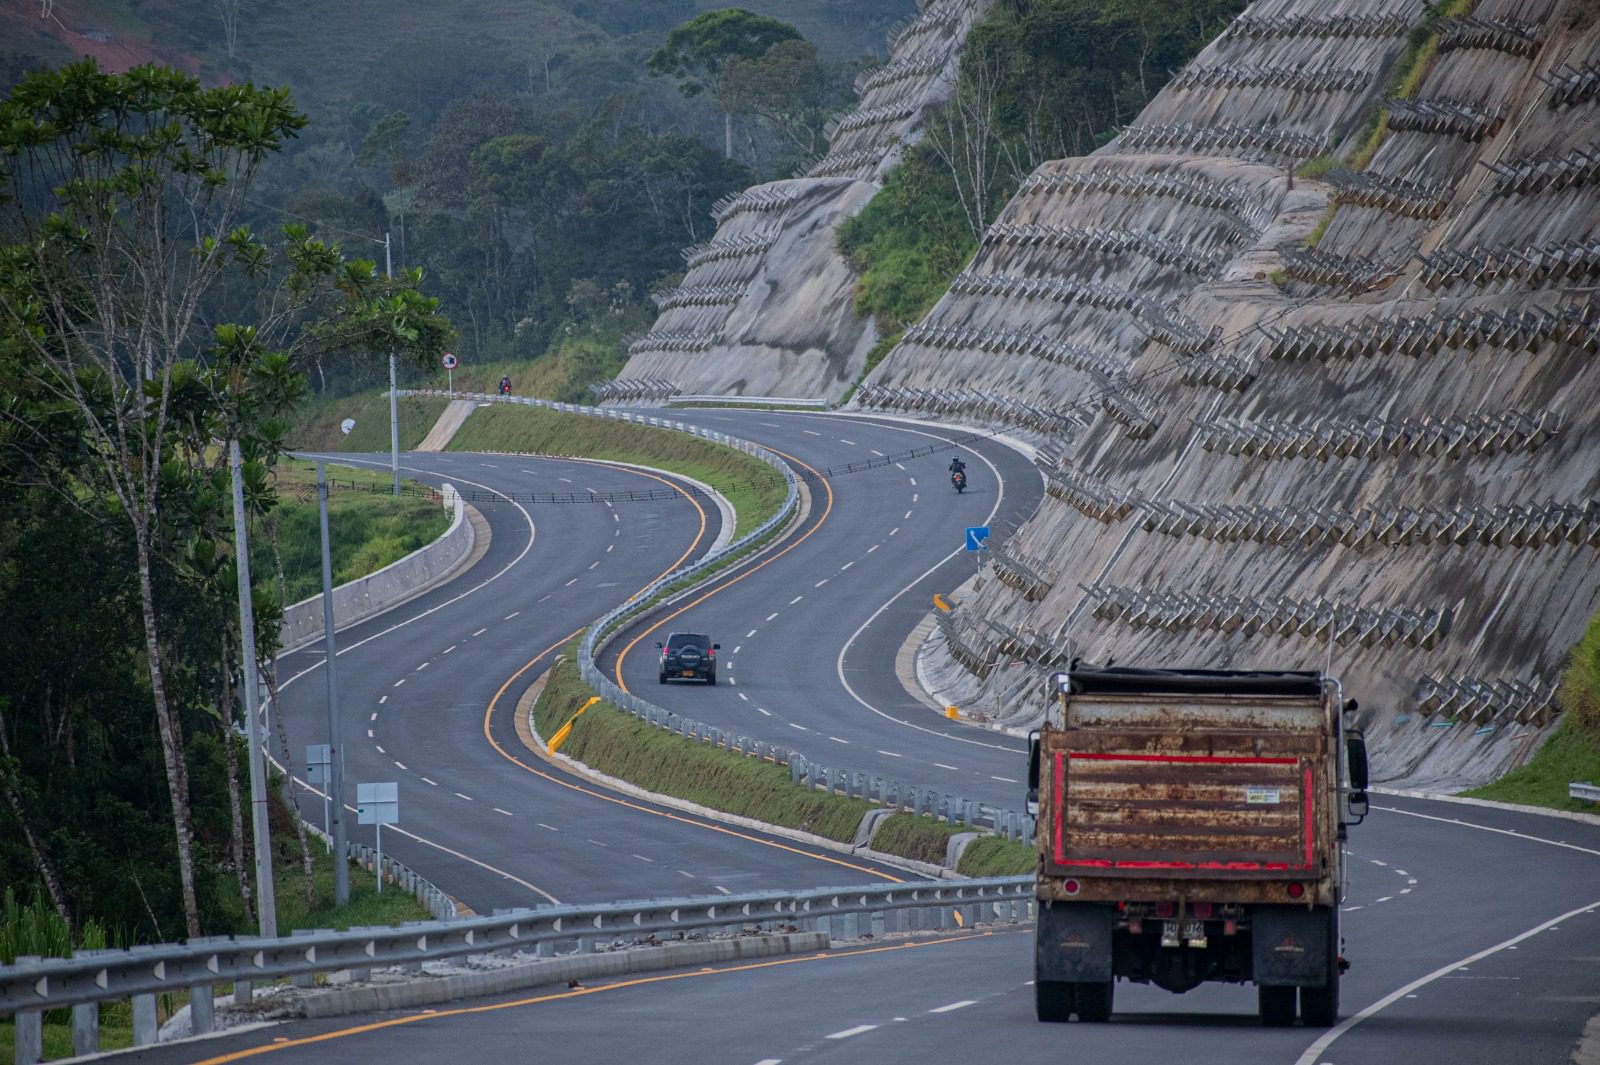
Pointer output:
x,y
435,783
857,1030
772,615
480,632
941,765
891,754
399,682
836,739
796,599
852,443
461,796
380,748
452,647
552,828
763,710
751,633
570,583
954,1006
381,700
802,728
508,813
846,566
511,615
907,516
374,716
820,583
402,765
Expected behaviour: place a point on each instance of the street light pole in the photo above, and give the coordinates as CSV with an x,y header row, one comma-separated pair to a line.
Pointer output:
x,y
394,403
266,901
341,866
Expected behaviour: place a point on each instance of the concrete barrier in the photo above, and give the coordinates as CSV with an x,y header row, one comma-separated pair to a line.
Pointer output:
x,y
376,592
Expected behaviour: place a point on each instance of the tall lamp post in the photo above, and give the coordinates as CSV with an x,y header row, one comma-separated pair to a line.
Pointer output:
x,y
394,403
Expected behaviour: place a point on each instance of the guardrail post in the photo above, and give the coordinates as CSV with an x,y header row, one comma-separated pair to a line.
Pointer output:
x,y
852,927
244,990
303,979
85,1029
202,1009
145,1030
30,1033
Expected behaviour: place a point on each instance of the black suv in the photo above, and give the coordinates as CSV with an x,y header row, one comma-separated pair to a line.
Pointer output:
x,y
689,654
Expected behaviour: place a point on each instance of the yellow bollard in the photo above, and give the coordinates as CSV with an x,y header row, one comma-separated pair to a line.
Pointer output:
x,y
951,712
938,601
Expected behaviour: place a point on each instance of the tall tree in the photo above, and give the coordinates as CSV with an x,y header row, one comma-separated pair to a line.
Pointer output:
x,y
122,196
698,53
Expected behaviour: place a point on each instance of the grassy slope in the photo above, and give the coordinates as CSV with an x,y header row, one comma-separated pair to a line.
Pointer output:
x,y
749,484
620,745
1572,753
319,427
367,530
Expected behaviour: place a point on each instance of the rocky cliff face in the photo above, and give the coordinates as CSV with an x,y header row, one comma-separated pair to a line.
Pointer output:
x,y
766,307
1376,454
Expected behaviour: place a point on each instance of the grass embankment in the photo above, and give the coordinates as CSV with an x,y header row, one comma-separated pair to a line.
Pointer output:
x,y
1572,753
750,485
620,745
366,907
367,530
319,430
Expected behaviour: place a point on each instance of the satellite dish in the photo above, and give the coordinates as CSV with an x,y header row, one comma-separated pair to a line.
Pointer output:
x,y
347,425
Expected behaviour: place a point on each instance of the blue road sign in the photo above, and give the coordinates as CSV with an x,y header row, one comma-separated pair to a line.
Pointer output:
x,y
977,537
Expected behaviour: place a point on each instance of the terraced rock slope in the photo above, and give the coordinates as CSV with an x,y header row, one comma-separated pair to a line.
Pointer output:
x,y
1377,453
765,308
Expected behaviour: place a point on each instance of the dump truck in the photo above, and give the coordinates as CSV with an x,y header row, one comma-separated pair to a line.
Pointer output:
x,y
1190,828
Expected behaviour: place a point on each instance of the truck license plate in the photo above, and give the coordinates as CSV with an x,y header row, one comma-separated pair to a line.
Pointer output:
x,y
688,672
1192,930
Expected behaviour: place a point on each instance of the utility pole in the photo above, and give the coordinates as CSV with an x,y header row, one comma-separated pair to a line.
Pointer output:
x,y
266,901
341,866
394,403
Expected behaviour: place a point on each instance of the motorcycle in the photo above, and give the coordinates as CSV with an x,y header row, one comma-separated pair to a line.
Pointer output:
x,y
958,480
505,386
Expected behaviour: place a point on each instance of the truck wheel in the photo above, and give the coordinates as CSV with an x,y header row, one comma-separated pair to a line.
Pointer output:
x,y
1094,1000
1052,1000
1277,1006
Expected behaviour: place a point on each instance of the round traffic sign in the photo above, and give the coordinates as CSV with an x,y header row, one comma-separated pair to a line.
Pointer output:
x,y
449,361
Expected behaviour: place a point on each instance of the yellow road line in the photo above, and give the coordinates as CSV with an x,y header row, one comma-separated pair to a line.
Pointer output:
x,y
395,1022
488,734
827,510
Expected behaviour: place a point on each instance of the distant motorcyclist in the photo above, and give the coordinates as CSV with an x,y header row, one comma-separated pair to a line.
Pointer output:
x,y
958,474
505,385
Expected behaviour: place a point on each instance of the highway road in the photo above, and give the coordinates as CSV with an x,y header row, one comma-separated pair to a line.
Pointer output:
x,y
1474,933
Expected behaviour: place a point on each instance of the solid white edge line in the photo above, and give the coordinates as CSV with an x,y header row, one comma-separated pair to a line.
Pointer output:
x,y
1486,828
1314,1052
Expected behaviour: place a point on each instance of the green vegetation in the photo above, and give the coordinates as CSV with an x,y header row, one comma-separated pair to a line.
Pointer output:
x,y
317,422
367,529
36,929
995,856
748,483
920,838
1572,753
621,745
1040,80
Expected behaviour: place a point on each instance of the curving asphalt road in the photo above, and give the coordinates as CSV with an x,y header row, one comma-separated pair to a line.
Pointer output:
x,y
1474,933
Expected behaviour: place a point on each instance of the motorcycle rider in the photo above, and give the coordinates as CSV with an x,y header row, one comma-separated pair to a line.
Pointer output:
x,y
957,466
505,385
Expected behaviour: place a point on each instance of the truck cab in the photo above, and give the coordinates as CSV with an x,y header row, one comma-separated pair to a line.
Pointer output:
x,y
1190,829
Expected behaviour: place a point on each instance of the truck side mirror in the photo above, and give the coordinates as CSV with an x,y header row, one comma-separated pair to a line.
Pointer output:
x,y
1033,773
1355,751
716,647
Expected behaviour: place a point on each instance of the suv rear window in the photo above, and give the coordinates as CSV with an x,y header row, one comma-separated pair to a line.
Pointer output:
x,y
679,641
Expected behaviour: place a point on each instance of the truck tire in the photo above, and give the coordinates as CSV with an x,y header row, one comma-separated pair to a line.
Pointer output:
x,y
1094,1000
1277,1006
1052,1000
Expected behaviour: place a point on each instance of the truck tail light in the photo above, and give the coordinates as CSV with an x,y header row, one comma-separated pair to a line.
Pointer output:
x,y
1071,887
1296,890
1201,910
1166,909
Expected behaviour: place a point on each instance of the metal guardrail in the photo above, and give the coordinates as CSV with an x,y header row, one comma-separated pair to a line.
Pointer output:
x,y
89,978
1580,790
